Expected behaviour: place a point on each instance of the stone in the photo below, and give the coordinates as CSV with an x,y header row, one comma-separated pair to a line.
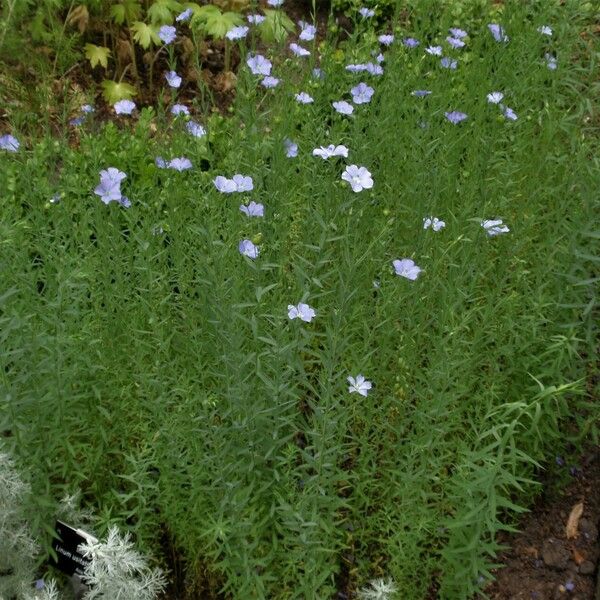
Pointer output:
x,y
588,530
586,567
555,554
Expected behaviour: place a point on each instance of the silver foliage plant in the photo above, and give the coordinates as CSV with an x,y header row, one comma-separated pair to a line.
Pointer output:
x,y
18,549
378,589
118,572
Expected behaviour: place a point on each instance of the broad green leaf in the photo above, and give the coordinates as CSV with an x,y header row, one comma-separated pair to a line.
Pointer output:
x,y
144,34
215,23
113,91
126,11
161,11
97,55
276,26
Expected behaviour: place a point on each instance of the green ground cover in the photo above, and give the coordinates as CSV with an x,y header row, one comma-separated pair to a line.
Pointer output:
x,y
151,366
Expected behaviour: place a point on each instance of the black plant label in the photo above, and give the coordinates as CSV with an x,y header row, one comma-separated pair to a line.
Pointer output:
x,y
68,558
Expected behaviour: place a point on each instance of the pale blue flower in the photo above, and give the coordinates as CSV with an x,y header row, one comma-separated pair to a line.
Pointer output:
x,y
237,33
407,268
362,93
87,109
331,150
455,116
307,32
180,164
494,227
374,69
318,73
124,107
77,121
509,113
359,385
109,188
380,58
458,33
410,42
545,30
495,97
551,61
366,13
247,248
299,50
255,19
195,129
356,68
448,63
258,64
269,82
184,16
180,109
304,98
386,39
239,183
291,148
455,42
420,93
498,32
433,223
275,3
434,50
167,33
358,177
301,311
160,162
343,107
173,79
254,209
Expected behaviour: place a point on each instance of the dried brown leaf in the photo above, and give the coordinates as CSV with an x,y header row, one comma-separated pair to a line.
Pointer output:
x,y
573,521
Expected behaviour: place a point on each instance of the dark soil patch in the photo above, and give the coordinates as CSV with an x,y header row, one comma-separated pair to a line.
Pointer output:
x,y
541,563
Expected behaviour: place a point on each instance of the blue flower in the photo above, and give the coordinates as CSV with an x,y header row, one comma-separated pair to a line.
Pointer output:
x,y
410,42
551,61
307,32
239,183
420,93
167,33
180,164
237,33
247,248
254,209
494,227
362,93
109,188
358,177
407,268
275,3
495,97
343,107
195,129
299,50
269,82
455,42
184,16
304,98
386,39
87,109
455,116
255,19
301,311
160,162
258,64
291,148
173,79
434,50
359,385
498,32
180,109
366,13
458,33
433,222
331,150
545,30
509,113
124,107
448,63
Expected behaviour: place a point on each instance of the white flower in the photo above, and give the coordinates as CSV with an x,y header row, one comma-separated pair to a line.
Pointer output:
x,y
358,178
434,223
299,50
434,50
359,385
331,150
301,311
303,98
343,107
545,30
494,227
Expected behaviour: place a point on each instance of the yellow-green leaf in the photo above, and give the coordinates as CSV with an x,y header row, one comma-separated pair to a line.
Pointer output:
x,y
126,11
161,11
214,22
113,91
144,34
97,55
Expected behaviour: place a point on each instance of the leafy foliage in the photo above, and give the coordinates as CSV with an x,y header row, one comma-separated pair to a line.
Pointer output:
x,y
97,55
214,22
113,91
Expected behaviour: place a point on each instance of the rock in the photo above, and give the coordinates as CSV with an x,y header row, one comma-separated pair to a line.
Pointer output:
x,y
588,530
555,554
586,567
